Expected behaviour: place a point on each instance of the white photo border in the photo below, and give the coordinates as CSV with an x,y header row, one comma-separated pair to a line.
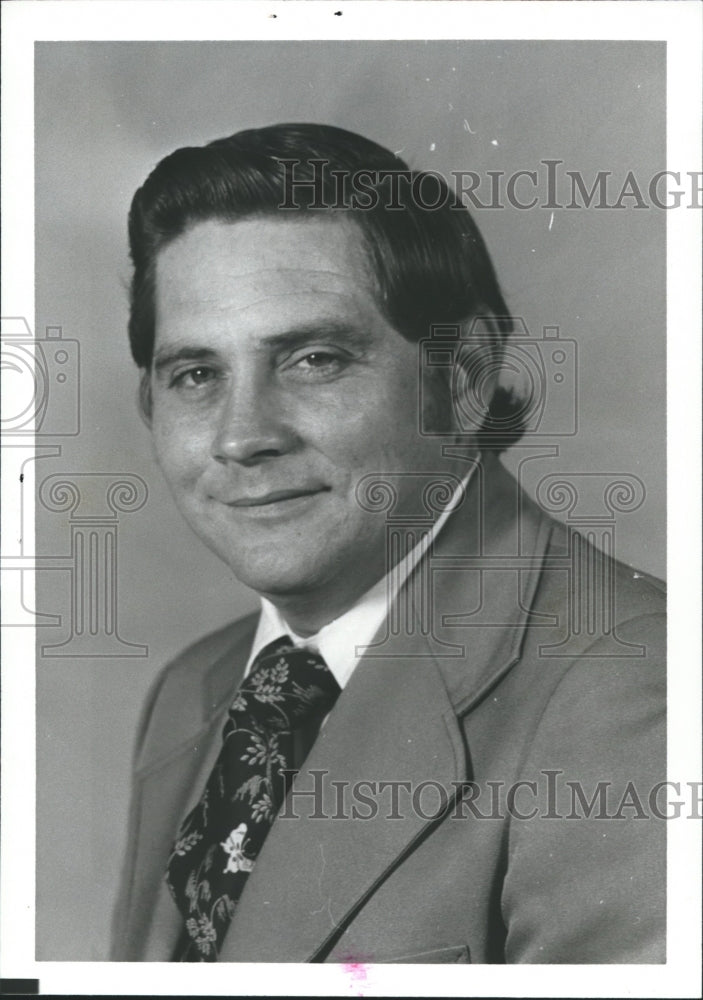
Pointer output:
x,y
679,25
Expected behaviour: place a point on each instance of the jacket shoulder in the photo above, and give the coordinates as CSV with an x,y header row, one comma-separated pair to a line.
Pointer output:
x,y
177,702
196,659
633,593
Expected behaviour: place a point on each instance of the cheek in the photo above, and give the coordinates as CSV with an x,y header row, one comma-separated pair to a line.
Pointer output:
x,y
179,454
345,433
383,448
372,420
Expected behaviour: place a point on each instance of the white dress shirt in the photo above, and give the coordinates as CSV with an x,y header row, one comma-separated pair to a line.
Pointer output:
x,y
342,641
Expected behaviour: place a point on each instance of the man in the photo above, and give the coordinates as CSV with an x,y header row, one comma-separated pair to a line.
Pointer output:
x,y
471,761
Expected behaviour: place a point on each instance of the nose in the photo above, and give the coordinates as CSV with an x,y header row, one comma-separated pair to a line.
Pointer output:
x,y
252,427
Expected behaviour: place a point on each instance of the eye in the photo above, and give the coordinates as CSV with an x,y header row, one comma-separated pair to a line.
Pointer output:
x,y
318,359
318,363
193,378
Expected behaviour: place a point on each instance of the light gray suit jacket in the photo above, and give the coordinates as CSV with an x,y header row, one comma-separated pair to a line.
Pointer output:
x,y
535,681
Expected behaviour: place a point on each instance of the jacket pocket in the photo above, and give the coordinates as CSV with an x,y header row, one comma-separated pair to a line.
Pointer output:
x,y
456,955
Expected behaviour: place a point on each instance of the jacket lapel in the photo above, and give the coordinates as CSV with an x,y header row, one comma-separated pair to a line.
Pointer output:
x,y
172,787
487,568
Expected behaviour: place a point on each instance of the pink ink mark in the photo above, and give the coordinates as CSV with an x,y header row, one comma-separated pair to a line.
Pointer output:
x,y
357,972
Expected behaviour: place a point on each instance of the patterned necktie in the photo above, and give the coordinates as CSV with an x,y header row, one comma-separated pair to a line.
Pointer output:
x,y
278,708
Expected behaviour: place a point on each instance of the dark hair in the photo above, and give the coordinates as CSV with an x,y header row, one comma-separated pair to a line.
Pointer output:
x,y
428,259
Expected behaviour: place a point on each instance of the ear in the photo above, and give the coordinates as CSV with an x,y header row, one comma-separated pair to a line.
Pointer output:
x,y
144,403
475,372
474,381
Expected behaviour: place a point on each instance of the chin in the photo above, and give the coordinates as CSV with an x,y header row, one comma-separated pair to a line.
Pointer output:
x,y
274,580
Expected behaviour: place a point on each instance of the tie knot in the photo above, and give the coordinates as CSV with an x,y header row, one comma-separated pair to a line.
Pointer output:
x,y
287,687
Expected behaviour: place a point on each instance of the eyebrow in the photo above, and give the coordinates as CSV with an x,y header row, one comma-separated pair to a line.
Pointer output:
x,y
165,358
354,336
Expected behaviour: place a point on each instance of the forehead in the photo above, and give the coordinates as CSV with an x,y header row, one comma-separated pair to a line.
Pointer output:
x,y
263,267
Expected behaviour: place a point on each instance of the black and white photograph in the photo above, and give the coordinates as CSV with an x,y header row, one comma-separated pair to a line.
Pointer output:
x,y
351,489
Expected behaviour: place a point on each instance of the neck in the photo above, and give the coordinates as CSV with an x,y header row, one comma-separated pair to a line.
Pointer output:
x,y
306,614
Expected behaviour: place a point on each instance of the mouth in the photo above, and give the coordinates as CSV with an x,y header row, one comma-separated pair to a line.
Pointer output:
x,y
277,497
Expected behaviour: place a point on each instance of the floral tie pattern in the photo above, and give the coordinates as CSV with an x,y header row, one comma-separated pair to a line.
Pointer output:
x,y
289,691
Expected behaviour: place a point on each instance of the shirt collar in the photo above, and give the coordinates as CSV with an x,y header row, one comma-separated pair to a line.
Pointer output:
x,y
342,641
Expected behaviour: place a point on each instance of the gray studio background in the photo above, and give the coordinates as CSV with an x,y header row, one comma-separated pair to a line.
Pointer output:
x,y
105,113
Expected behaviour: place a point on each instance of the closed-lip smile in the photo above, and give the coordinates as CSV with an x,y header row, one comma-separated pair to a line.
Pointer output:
x,y
276,496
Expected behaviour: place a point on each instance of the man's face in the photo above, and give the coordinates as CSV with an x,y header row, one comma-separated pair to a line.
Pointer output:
x,y
276,385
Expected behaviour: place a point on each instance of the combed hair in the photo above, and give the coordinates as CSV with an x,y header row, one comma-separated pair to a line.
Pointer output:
x,y
430,265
